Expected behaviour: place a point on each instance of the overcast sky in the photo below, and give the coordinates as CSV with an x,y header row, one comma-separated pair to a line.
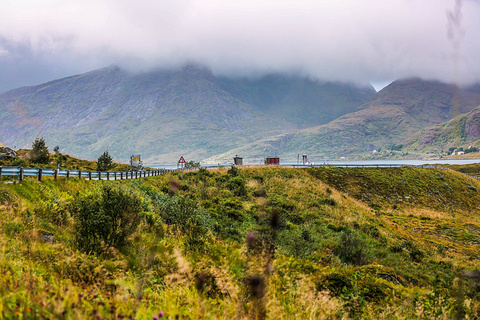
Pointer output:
x,y
347,40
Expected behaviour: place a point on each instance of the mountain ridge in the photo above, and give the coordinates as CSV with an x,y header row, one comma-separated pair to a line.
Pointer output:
x,y
160,114
395,113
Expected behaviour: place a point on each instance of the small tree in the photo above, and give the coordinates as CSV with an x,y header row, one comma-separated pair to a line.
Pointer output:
x,y
105,162
192,165
59,158
39,153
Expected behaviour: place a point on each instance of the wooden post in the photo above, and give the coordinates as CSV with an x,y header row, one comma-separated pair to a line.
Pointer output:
x,y
79,173
39,174
136,174
108,175
99,175
115,175
55,174
121,175
0,172
90,175
68,174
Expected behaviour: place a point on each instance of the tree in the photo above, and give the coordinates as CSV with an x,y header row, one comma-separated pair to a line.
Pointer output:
x,y
104,162
59,158
192,165
39,153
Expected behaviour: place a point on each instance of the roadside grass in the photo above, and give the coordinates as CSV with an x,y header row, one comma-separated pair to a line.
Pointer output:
x,y
325,243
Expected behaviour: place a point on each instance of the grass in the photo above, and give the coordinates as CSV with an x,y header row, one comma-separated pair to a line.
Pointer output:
x,y
323,243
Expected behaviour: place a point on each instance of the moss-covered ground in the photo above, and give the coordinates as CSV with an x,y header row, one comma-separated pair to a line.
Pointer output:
x,y
250,243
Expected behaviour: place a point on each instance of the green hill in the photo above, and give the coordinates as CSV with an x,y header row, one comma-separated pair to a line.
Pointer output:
x,y
244,243
462,131
394,114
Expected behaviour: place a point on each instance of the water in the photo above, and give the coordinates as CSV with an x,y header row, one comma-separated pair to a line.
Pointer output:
x,y
346,163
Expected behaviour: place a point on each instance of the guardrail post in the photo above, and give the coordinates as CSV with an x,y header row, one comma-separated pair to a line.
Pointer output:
x,y
115,175
108,175
0,172
39,174
68,174
20,177
99,175
121,175
136,174
55,173
79,173
90,175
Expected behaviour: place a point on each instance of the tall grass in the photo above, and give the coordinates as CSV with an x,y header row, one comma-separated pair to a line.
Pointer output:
x,y
258,243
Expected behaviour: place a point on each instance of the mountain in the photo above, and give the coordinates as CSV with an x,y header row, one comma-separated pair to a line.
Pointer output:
x,y
461,131
398,111
167,113
301,100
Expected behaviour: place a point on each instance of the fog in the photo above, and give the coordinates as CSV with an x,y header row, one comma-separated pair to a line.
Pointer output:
x,y
356,41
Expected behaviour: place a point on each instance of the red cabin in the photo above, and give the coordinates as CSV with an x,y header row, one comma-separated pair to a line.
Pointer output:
x,y
272,161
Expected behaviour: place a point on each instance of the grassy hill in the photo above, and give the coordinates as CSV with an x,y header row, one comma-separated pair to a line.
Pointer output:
x,y
460,132
322,243
394,114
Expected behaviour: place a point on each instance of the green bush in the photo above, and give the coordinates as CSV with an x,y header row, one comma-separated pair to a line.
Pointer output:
x,y
189,217
351,249
19,162
106,218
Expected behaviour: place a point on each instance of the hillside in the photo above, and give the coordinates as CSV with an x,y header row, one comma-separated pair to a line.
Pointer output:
x,y
462,131
276,243
394,114
303,101
165,113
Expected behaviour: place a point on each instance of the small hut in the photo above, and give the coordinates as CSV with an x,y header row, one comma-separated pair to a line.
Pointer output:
x,y
272,161
238,161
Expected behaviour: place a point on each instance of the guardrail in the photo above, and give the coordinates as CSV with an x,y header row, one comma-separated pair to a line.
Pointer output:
x,y
21,172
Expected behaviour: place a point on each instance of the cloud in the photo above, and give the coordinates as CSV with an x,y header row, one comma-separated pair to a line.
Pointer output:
x,y
344,40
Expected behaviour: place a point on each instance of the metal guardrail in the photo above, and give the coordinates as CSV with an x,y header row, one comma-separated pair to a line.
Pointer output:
x,y
21,172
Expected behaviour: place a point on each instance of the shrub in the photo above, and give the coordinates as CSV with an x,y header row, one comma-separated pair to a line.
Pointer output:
x,y
19,162
351,249
106,219
336,283
189,217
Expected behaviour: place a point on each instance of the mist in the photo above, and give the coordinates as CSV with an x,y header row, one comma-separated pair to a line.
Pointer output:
x,y
355,41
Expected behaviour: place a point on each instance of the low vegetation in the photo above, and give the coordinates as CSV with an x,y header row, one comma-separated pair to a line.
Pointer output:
x,y
257,243
39,156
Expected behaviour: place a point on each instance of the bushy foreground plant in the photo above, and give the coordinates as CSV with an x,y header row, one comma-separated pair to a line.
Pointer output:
x,y
106,218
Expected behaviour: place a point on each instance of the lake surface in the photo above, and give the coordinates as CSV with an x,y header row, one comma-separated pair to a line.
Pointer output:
x,y
344,163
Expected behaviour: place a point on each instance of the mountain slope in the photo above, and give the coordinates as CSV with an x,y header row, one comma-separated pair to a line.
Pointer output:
x,y
303,101
161,114
461,130
398,111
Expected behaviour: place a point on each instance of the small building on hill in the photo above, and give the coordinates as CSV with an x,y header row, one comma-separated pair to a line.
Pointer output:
x,y
238,161
272,161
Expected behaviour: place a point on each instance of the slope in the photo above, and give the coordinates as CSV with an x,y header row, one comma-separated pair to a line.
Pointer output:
x,y
398,111
461,131
303,101
283,243
161,114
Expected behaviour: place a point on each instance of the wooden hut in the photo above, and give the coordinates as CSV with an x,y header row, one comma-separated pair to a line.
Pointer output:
x,y
238,161
272,161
